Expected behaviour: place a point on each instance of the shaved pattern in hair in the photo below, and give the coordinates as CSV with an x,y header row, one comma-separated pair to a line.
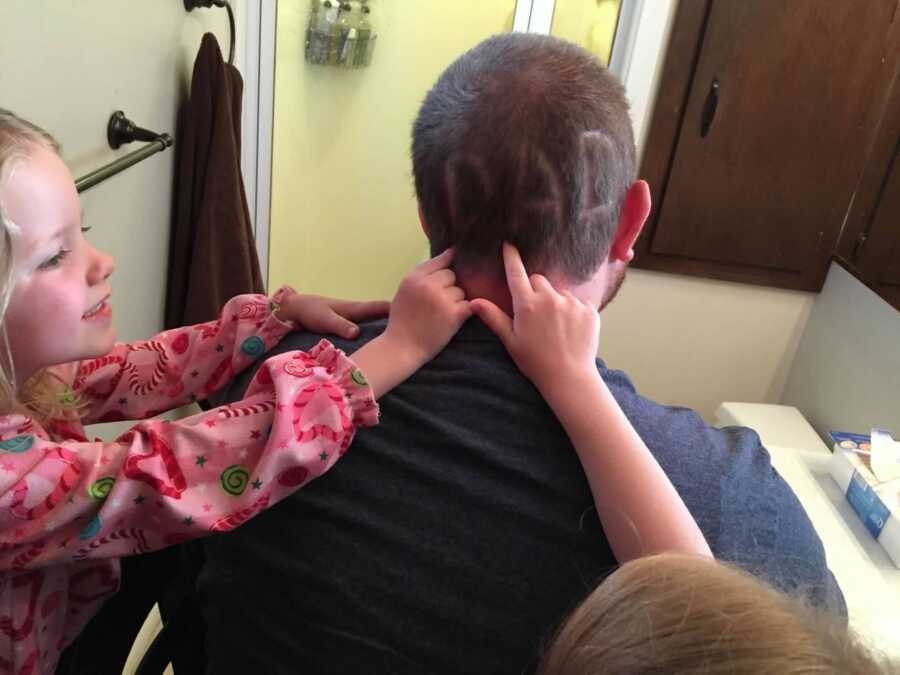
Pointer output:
x,y
526,139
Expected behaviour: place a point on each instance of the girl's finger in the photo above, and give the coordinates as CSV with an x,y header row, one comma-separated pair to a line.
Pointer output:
x,y
444,277
438,261
463,309
456,293
362,311
335,324
495,318
516,276
540,284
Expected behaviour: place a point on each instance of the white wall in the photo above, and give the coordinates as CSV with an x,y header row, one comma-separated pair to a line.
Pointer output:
x,y
695,342
66,66
685,340
846,376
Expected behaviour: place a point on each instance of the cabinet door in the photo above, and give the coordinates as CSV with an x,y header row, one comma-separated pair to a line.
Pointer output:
x,y
870,240
887,278
770,140
878,262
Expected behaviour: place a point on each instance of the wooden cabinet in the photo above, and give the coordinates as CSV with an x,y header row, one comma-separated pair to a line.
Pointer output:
x,y
766,117
870,242
879,266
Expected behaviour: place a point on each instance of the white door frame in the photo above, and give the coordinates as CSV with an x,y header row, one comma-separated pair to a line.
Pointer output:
x,y
534,16
630,15
256,60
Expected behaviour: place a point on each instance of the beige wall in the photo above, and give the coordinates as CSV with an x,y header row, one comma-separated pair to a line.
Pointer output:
x,y
695,342
846,376
67,66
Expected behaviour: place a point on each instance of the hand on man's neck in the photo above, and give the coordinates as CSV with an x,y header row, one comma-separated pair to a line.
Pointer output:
x,y
483,284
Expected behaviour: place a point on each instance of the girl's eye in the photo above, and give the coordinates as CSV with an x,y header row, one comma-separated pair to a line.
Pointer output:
x,y
86,229
55,261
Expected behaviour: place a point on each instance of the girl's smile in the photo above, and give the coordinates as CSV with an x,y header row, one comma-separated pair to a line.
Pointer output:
x,y
101,310
59,309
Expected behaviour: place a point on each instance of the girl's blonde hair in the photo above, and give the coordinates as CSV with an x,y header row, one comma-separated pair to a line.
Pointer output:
x,y
680,615
18,137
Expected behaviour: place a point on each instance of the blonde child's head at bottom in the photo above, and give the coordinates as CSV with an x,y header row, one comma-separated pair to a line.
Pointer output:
x,y
53,283
679,615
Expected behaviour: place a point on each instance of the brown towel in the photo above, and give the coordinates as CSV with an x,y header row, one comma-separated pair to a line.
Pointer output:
x,y
212,255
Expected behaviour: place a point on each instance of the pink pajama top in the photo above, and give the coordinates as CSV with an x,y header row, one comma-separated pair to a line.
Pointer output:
x,y
70,507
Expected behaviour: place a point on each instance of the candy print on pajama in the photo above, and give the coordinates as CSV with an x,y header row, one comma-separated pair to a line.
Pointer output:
x,y
69,507
22,508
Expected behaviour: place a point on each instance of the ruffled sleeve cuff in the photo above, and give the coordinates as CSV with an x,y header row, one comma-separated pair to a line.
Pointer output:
x,y
350,378
280,326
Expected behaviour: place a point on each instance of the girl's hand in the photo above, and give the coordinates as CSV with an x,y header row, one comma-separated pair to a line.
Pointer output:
x,y
428,310
551,336
553,339
318,314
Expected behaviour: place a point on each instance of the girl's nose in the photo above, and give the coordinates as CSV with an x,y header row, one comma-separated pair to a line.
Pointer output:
x,y
100,268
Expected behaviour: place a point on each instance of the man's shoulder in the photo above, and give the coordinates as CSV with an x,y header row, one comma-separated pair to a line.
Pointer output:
x,y
748,513
674,427
304,339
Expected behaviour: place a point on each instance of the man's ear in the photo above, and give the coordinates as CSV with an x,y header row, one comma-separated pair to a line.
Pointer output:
x,y
424,223
634,214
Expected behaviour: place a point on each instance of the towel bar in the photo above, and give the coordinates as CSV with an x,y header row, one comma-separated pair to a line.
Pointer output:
x,y
119,131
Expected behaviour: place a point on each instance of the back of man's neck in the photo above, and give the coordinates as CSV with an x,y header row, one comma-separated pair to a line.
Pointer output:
x,y
485,285
479,285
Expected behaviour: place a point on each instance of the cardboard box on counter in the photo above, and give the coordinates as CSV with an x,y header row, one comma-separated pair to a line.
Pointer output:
x,y
877,503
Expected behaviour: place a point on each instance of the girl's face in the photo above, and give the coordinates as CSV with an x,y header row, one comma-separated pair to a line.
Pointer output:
x,y
58,310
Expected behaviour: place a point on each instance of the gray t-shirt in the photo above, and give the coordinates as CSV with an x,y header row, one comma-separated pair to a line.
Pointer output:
x,y
459,533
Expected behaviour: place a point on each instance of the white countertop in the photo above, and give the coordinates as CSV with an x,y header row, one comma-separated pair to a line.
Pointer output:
x,y
868,578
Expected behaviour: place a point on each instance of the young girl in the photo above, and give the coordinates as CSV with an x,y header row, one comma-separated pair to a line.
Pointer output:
x,y
670,608
689,615
69,507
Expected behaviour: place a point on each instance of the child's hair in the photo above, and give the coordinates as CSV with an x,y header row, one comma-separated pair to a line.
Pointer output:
x,y
679,615
18,138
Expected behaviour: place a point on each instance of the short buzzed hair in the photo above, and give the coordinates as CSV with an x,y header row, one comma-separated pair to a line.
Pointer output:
x,y
524,138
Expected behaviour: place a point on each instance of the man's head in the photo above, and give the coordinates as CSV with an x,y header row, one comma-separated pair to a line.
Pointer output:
x,y
527,139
